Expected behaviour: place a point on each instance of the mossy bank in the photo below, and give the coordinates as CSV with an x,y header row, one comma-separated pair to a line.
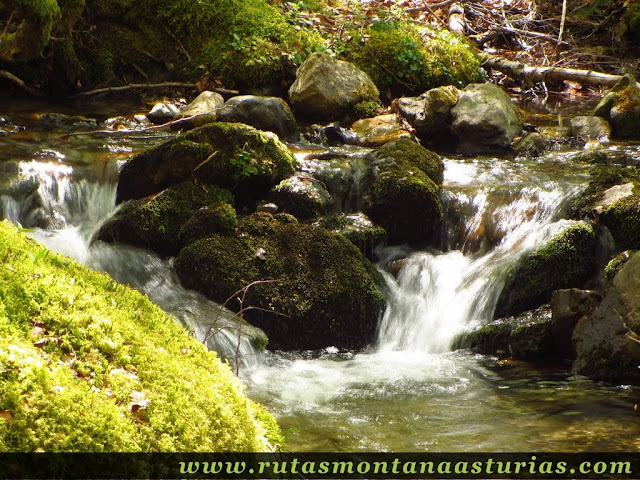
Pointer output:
x,y
87,364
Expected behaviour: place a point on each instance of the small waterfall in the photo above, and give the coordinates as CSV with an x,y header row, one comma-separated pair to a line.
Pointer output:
x,y
65,206
438,294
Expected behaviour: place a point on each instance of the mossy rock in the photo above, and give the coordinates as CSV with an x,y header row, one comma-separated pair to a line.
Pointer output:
x,y
401,191
404,60
358,229
616,263
34,21
321,290
302,195
526,337
622,218
231,155
219,217
567,260
155,222
87,365
621,108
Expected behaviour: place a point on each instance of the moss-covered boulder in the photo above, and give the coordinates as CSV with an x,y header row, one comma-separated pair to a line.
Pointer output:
x,y
321,292
616,263
485,119
155,222
401,190
622,216
219,217
231,155
88,365
621,108
302,196
567,260
358,229
28,28
329,88
607,341
526,337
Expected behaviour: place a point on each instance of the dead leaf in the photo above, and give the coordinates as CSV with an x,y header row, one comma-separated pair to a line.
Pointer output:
x,y
57,389
138,401
6,415
261,253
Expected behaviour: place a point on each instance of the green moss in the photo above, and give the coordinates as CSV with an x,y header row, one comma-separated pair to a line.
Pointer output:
x,y
566,261
324,292
364,110
35,19
219,217
155,222
358,229
90,365
402,191
397,57
616,263
623,221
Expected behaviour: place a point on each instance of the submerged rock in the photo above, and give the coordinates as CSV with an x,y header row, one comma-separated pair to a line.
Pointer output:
x,y
319,289
607,341
526,337
329,88
65,123
587,128
485,119
531,145
162,113
565,261
270,114
231,155
155,222
401,190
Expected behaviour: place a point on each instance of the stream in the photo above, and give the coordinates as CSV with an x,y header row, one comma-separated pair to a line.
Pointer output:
x,y
407,391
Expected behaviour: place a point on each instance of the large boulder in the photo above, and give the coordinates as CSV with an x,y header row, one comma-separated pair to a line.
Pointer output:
x,y
218,217
319,289
607,341
401,191
270,114
621,108
567,260
358,229
302,196
430,113
619,211
231,155
485,119
329,88
154,222
526,337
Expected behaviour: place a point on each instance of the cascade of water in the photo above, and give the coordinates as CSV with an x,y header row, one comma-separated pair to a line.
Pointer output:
x,y
436,295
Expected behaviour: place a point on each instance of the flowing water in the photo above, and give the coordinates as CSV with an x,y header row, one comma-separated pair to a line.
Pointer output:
x,y
408,391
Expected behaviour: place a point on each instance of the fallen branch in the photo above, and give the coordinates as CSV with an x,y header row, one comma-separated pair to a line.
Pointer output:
x,y
19,83
151,86
539,74
429,7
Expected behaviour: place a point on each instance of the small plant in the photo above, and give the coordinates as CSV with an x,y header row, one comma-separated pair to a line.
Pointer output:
x,y
244,160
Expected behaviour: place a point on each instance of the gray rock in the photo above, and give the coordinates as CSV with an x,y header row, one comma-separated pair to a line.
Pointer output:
x,y
531,145
202,110
430,113
568,306
376,131
606,341
162,113
485,119
328,88
621,108
588,127
271,114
